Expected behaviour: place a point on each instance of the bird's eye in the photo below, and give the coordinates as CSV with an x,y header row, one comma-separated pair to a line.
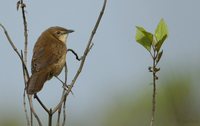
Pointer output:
x,y
58,32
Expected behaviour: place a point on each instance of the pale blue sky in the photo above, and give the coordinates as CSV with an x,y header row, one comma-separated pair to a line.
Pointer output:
x,y
116,63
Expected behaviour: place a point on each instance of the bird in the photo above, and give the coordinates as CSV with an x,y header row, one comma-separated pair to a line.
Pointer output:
x,y
49,57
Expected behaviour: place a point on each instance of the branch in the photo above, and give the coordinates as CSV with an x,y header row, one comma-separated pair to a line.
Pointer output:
x,y
23,5
89,45
10,41
87,49
58,119
24,94
14,48
43,106
25,70
64,102
64,106
64,113
24,105
24,60
76,55
33,110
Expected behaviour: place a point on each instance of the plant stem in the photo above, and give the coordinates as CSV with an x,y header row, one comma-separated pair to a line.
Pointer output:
x,y
154,89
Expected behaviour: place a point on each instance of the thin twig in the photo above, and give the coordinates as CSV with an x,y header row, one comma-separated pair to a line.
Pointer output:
x,y
14,48
24,94
43,106
24,105
59,110
64,112
66,74
33,110
25,70
64,104
58,119
76,55
50,117
65,86
24,64
88,47
23,5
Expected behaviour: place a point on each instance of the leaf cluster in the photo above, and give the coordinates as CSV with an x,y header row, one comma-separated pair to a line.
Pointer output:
x,y
153,42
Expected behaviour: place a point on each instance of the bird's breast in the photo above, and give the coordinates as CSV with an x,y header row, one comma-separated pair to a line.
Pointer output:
x,y
59,65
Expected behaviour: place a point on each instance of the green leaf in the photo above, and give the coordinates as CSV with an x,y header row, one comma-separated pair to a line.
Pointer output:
x,y
159,56
159,43
144,38
161,33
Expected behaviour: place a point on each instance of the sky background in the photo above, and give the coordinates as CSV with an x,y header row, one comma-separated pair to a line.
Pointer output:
x,y
116,65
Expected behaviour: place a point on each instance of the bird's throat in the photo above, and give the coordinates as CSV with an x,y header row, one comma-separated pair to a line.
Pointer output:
x,y
63,38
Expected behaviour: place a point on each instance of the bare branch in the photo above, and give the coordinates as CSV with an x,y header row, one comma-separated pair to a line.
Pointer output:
x,y
64,84
64,112
25,70
66,73
50,118
33,110
24,94
10,41
24,61
64,104
24,105
14,48
87,49
71,50
43,106
59,111
23,5
58,119
88,46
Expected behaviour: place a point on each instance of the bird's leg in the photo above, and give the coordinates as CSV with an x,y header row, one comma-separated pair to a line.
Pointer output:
x,y
65,86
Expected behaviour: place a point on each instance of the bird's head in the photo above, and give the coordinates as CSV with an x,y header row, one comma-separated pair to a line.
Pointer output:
x,y
60,33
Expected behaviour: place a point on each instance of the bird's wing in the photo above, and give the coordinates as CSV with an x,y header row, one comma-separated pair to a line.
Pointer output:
x,y
45,55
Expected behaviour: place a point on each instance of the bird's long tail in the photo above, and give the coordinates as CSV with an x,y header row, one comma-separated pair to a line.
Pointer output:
x,y
36,82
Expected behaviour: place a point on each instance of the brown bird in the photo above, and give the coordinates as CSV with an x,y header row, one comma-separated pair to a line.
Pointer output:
x,y
49,57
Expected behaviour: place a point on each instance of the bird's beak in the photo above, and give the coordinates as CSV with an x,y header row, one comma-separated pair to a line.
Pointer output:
x,y
70,31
